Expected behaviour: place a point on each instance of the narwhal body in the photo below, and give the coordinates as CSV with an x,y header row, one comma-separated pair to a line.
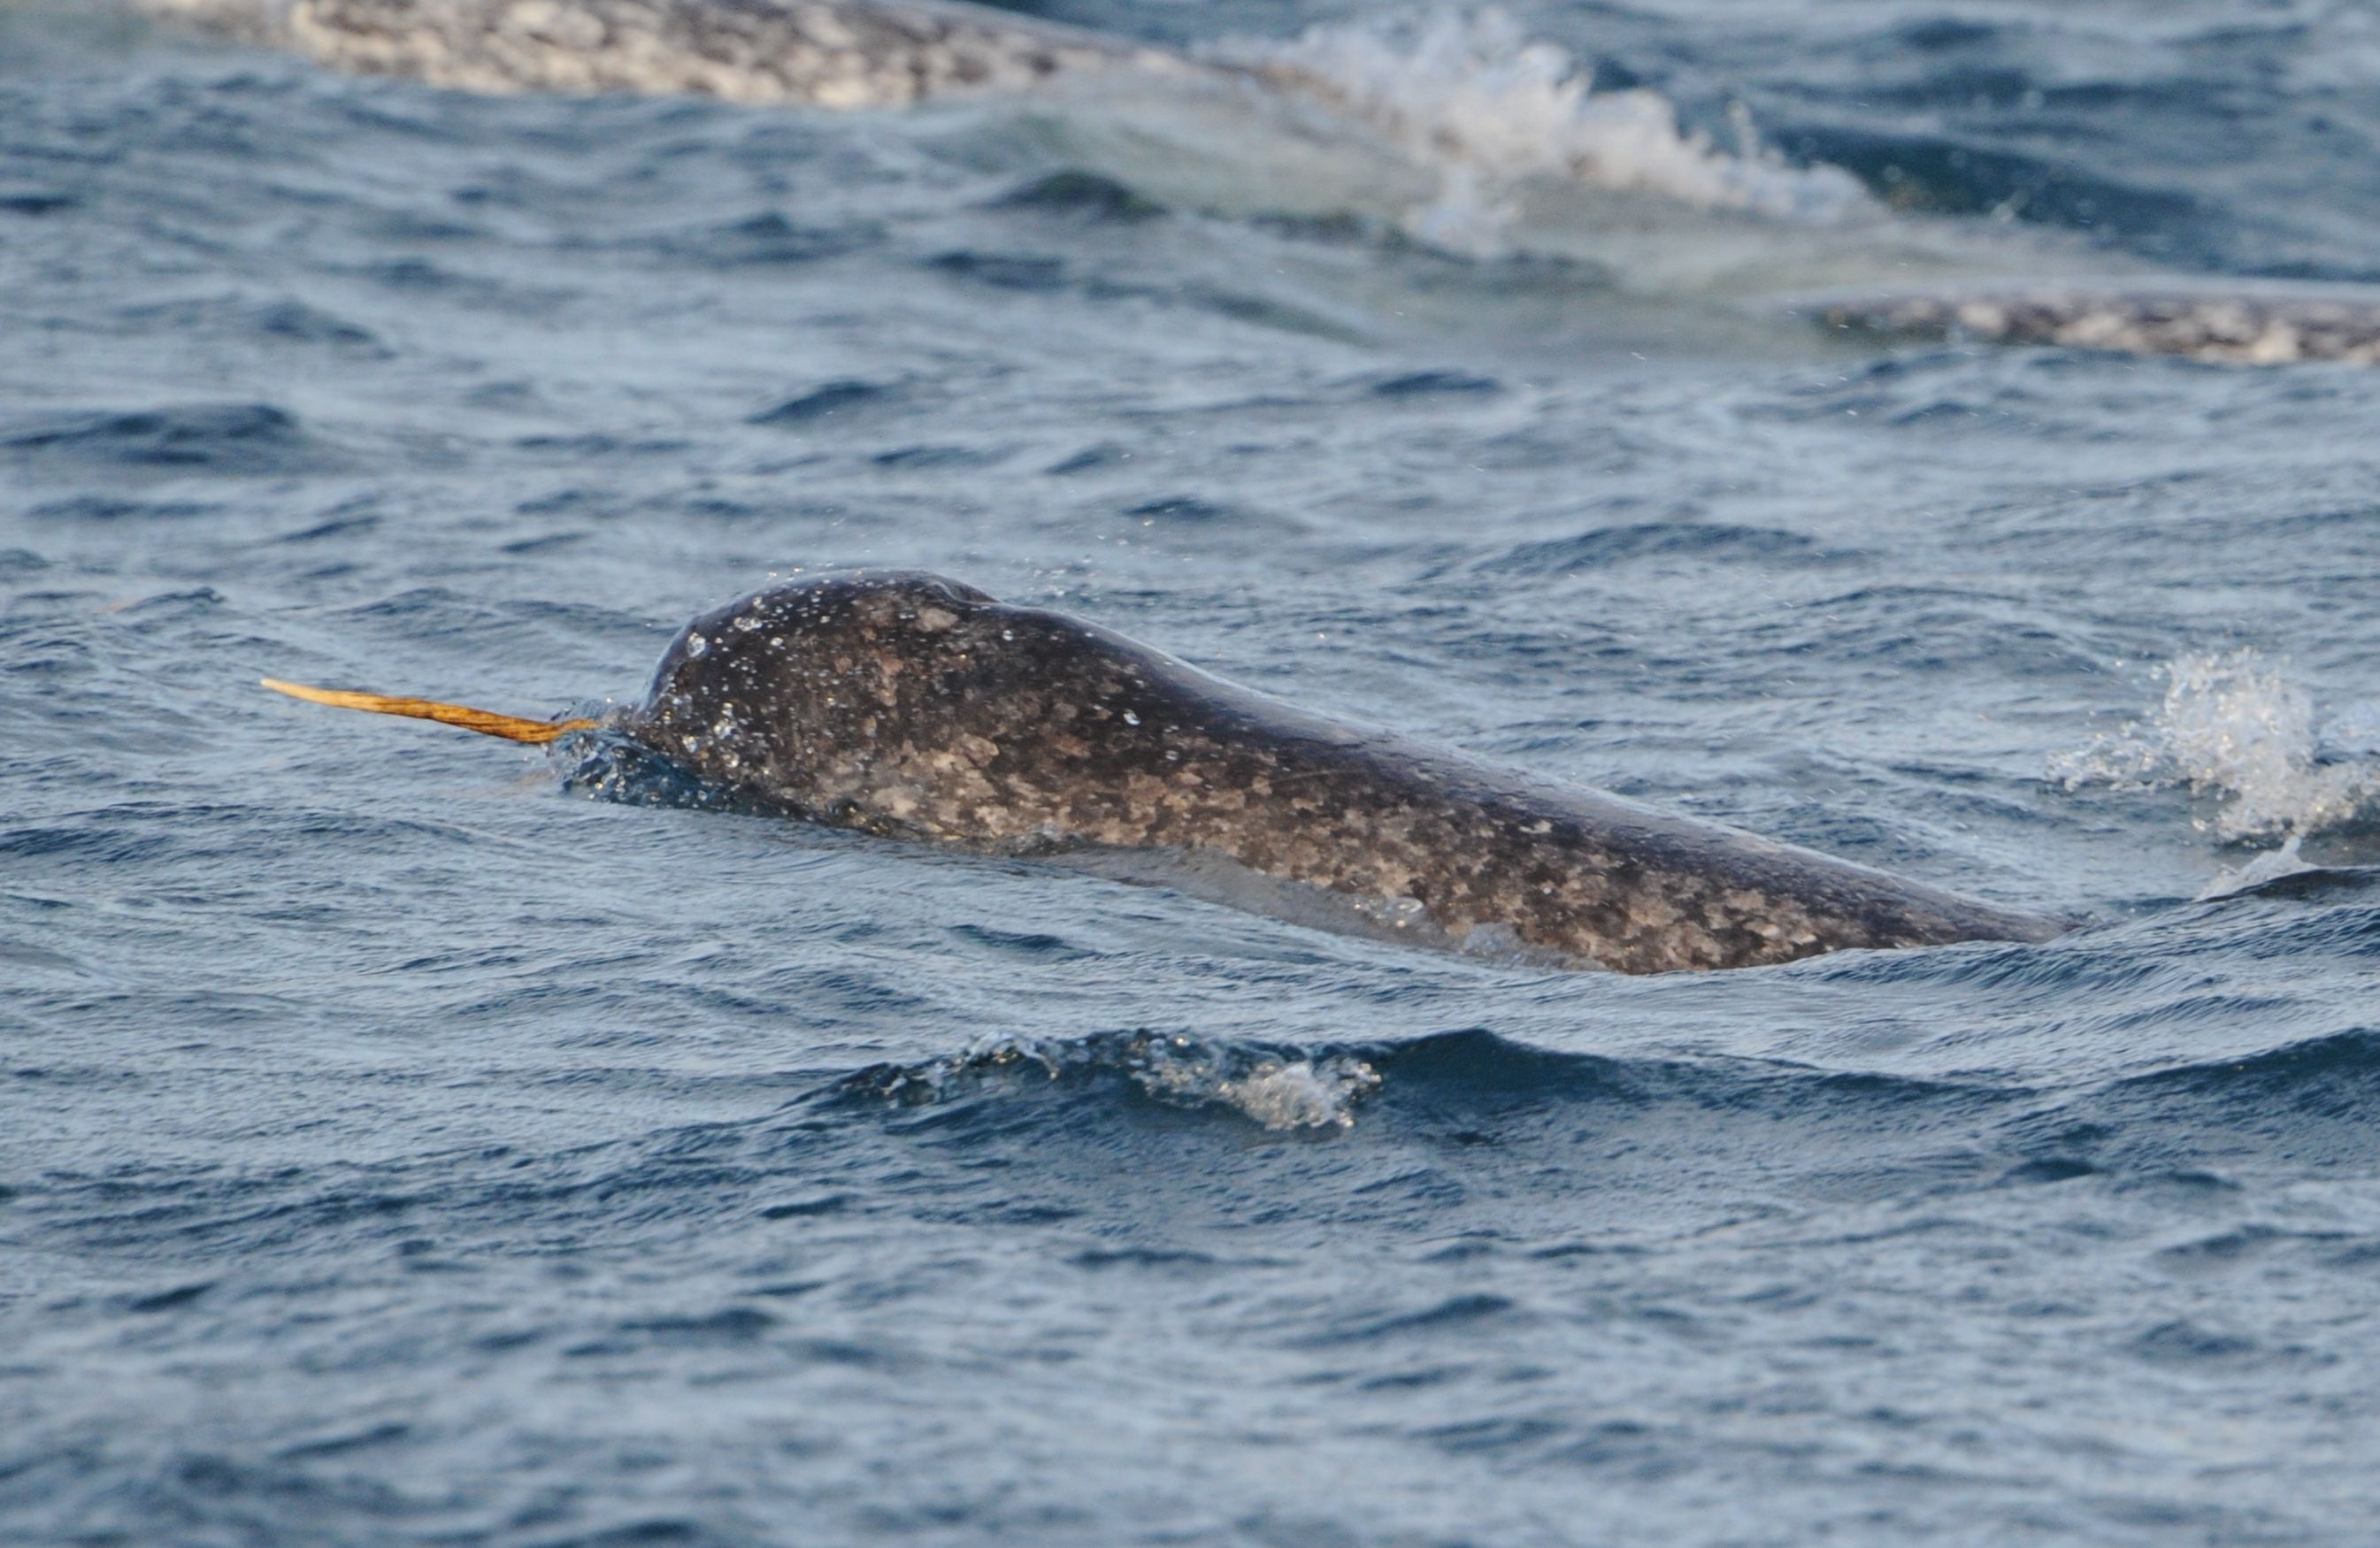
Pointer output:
x,y
835,53
2231,323
910,706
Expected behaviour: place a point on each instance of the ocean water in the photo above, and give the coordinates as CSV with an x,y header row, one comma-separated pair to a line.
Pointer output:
x,y
404,1138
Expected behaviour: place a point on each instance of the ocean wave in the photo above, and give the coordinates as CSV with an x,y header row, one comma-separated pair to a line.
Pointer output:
x,y
1473,1075
1653,1137
251,439
2304,1104
2172,1100
1279,1089
2339,1074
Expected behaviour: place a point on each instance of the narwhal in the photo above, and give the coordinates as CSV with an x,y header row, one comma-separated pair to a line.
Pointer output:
x,y
905,705
835,53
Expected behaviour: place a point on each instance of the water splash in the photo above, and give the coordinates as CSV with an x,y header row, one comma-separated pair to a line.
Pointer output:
x,y
607,766
2233,727
1472,97
1280,1090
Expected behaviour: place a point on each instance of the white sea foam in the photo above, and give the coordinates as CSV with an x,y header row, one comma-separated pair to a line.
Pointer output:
x,y
1470,95
1278,1092
2233,727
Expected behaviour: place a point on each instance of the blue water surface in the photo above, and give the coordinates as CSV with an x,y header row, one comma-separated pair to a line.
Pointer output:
x,y
411,1138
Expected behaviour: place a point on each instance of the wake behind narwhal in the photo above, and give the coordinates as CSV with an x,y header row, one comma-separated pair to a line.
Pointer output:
x,y
912,707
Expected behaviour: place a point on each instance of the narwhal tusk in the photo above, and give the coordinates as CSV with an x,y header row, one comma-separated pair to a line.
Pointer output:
x,y
512,727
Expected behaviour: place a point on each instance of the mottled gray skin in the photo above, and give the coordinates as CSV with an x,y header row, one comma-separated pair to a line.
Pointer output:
x,y
910,706
837,54
2243,327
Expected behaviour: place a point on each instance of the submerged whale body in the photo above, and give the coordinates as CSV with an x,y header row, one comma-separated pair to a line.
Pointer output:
x,y
836,53
2263,325
909,705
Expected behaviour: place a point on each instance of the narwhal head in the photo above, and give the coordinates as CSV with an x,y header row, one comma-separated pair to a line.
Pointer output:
x,y
901,701
820,693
